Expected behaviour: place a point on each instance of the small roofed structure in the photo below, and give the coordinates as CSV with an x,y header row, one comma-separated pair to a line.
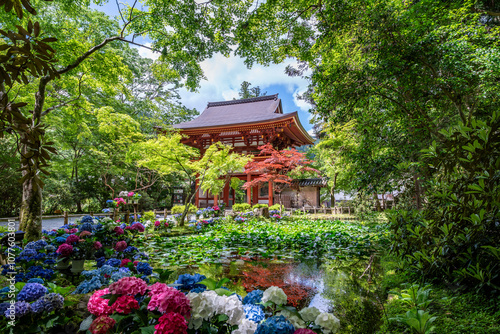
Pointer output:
x,y
245,125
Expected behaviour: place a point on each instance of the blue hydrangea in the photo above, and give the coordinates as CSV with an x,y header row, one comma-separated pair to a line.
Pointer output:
x,y
31,292
4,307
145,279
36,280
100,261
107,269
50,261
20,309
199,289
98,227
61,239
254,313
50,248
120,274
36,245
188,282
49,233
86,227
28,252
87,219
144,268
113,262
253,297
275,325
130,249
123,225
90,285
5,290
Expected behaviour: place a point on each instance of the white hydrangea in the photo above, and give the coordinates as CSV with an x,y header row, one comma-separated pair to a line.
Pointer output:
x,y
232,307
309,313
294,319
328,321
275,295
202,307
245,327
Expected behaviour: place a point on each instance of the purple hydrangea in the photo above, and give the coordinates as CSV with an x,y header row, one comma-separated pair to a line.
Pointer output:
x,y
20,309
31,292
48,303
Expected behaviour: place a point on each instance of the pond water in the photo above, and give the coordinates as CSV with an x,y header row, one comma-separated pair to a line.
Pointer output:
x,y
306,282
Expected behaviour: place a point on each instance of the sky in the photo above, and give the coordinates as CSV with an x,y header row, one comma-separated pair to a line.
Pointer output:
x,y
225,75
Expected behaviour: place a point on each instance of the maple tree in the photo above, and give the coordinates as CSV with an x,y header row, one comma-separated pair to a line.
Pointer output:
x,y
279,168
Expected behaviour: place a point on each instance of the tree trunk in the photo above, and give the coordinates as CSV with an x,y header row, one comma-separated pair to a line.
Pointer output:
x,y
30,216
417,192
377,202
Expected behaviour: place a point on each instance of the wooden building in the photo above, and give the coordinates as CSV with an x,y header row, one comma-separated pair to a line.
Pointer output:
x,y
245,125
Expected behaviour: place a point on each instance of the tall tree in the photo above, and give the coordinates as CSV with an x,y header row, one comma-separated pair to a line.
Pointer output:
x,y
186,38
247,92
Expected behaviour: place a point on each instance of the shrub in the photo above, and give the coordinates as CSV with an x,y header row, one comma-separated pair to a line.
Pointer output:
x,y
277,207
148,215
180,209
456,236
241,207
258,206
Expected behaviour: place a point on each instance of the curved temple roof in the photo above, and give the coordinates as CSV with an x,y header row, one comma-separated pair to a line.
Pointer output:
x,y
257,110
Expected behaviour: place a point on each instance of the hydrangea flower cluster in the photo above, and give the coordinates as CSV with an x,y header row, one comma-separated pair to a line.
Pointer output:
x,y
254,297
31,292
189,282
48,303
275,325
254,313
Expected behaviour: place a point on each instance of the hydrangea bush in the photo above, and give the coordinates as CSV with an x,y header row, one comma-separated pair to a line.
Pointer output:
x,y
130,305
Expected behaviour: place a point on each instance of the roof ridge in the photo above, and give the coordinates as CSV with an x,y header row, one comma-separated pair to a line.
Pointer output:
x,y
241,101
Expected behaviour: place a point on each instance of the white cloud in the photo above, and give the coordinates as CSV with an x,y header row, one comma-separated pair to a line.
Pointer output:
x,y
146,53
225,75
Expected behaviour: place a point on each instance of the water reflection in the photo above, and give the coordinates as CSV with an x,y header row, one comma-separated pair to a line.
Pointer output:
x,y
306,282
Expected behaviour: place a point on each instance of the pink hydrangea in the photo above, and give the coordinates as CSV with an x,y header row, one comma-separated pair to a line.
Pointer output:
x,y
136,263
65,250
158,288
138,227
171,323
120,246
170,301
157,223
118,230
125,304
124,262
102,325
129,228
128,286
166,224
304,331
130,194
66,230
85,234
71,239
73,230
97,245
99,306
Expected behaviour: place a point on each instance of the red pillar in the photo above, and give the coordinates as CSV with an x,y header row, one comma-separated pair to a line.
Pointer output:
x,y
216,199
249,190
255,196
270,193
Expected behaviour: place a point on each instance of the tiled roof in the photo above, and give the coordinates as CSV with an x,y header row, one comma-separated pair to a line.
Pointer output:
x,y
316,182
257,109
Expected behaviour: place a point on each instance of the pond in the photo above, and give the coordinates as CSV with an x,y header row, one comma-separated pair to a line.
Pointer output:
x,y
306,282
